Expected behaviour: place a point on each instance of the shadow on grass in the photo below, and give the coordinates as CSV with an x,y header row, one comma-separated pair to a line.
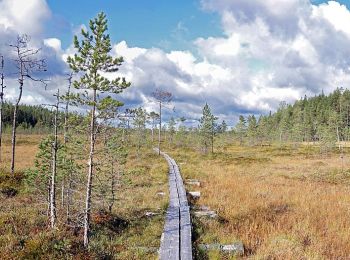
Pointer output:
x,y
197,231
107,221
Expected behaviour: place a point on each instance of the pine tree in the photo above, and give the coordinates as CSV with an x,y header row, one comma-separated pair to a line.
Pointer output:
x,y
113,159
207,128
261,130
223,126
172,129
252,129
241,129
154,117
181,134
140,120
91,60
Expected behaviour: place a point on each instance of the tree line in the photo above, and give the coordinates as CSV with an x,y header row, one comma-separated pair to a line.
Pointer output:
x,y
28,116
323,118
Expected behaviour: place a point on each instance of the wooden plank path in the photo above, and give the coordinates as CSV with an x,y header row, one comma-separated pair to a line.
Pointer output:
x,y
176,242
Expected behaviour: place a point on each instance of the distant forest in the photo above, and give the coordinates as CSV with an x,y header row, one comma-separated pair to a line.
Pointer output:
x,y
324,118
28,116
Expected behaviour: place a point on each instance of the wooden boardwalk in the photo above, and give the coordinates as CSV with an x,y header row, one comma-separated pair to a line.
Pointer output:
x,y
176,240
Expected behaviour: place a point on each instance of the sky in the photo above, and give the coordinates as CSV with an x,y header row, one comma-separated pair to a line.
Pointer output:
x,y
241,57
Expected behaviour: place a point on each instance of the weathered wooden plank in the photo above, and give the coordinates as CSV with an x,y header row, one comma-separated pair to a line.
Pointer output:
x,y
177,235
170,244
185,233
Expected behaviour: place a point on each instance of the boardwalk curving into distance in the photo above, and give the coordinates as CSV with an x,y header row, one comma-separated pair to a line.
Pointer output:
x,y
176,242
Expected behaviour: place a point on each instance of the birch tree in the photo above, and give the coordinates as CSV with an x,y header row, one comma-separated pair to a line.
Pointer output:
x,y
91,61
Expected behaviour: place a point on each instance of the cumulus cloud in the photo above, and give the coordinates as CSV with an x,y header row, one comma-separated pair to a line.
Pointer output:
x,y
270,51
24,16
19,17
286,48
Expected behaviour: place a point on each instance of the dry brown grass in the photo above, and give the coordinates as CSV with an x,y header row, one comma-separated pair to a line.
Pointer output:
x,y
128,235
283,203
26,148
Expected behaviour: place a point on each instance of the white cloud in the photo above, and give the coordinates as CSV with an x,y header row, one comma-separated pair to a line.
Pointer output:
x,y
24,16
218,47
53,43
272,51
129,54
338,15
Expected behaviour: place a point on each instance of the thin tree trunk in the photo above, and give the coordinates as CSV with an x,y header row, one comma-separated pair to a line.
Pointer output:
x,y
14,126
68,194
65,140
128,130
338,137
212,140
48,198
13,140
152,130
281,133
160,125
110,206
54,169
123,135
1,102
62,192
90,174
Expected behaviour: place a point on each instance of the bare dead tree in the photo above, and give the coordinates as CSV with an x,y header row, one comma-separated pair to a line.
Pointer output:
x,y
1,100
27,64
65,133
162,97
65,140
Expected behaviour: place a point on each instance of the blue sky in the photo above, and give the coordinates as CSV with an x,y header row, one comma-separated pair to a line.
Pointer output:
x,y
239,56
145,23
165,24
344,2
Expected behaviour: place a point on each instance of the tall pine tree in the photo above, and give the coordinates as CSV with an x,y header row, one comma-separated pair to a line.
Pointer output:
x,y
90,62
